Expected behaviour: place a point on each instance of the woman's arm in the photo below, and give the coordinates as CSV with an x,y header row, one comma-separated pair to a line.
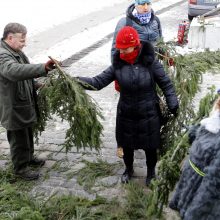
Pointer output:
x,y
100,81
165,84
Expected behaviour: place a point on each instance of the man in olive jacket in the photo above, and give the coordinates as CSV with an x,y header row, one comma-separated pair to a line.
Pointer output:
x,y
18,104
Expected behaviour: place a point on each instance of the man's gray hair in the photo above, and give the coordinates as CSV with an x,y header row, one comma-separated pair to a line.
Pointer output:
x,y
14,28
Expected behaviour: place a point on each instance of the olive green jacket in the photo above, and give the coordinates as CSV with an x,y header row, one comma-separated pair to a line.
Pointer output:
x,y
18,107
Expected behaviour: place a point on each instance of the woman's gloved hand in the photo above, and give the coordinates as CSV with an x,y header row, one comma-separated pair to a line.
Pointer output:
x,y
174,111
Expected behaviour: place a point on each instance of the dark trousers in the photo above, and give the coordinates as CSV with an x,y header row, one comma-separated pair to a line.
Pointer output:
x,y
21,147
151,157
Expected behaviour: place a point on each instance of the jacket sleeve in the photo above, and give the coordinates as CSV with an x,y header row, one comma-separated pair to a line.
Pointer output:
x,y
120,24
159,27
100,81
165,84
205,204
15,71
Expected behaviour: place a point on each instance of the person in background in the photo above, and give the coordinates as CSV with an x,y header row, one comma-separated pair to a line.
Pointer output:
x,y
138,114
197,194
18,99
140,16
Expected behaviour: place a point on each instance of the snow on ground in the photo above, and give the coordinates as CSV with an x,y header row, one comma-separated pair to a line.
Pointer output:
x,y
64,49
41,15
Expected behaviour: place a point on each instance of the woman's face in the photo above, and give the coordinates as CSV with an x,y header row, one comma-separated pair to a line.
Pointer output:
x,y
127,50
142,9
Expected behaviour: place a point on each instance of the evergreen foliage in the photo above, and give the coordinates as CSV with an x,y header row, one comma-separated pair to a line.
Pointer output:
x,y
64,96
16,205
94,170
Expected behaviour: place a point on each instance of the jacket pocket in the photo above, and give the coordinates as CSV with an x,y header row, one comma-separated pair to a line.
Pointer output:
x,y
22,116
22,93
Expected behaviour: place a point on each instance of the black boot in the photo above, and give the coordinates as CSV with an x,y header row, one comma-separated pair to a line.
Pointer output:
x,y
150,175
126,176
27,174
36,162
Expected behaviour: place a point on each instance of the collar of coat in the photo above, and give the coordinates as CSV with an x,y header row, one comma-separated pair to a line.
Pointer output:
x,y
8,48
146,56
132,17
16,54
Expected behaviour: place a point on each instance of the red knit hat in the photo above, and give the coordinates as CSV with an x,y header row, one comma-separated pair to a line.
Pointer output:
x,y
127,37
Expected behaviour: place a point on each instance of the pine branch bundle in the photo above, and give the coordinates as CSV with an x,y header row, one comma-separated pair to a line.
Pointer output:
x,y
64,96
187,77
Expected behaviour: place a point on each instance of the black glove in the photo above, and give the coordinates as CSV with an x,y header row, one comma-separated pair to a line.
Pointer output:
x,y
50,65
174,111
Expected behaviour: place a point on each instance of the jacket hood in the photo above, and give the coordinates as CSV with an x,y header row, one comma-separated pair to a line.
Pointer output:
x,y
131,16
146,56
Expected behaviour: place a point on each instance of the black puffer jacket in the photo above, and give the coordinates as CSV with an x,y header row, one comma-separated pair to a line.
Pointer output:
x,y
138,121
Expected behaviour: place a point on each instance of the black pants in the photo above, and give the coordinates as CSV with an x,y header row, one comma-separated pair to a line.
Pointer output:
x,y
21,147
151,157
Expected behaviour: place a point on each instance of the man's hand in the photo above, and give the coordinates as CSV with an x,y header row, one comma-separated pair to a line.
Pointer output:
x,y
50,65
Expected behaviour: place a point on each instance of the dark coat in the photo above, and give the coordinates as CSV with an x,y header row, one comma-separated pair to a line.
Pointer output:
x,y
197,197
17,93
138,121
149,32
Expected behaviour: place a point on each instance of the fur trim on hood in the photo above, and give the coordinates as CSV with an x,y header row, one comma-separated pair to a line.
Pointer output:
x,y
146,56
212,123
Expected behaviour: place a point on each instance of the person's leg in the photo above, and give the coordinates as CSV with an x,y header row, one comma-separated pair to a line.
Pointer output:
x,y
19,147
151,161
128,161
31,142
120,152
20,153
34,161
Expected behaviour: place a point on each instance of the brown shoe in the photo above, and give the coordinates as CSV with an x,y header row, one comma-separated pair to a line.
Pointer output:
x,y
37,162
120,152
27,174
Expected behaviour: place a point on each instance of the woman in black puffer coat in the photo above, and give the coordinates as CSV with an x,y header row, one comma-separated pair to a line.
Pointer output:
x,y
138,114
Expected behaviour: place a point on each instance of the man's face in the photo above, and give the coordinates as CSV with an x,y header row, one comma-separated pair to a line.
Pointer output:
x,y
16,41
141,9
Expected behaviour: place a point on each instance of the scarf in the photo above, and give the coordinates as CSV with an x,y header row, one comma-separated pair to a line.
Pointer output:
x,y
130,57
143,18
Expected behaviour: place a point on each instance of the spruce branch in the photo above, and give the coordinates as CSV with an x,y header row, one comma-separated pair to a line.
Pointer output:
x,y
64,96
